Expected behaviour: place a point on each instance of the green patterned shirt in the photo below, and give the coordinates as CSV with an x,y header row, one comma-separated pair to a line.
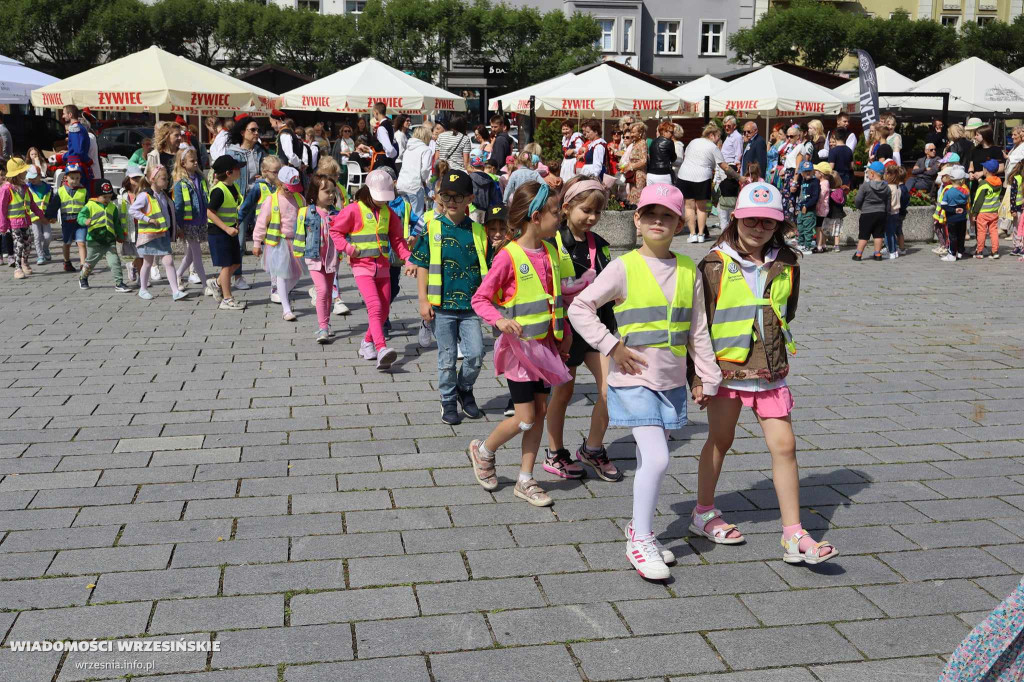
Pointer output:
x,y
460,266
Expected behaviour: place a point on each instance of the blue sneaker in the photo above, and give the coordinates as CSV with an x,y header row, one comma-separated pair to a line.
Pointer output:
x,y
40,261
179,295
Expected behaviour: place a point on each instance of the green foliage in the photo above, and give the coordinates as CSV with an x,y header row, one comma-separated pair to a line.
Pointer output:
x,y
549,136
60,35
188,27
998,43
816,34
914,48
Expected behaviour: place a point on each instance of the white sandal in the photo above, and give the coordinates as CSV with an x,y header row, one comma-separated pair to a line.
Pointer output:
x,y
720,534
812,556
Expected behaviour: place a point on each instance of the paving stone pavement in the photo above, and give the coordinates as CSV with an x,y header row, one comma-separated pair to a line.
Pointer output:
x,y
172,471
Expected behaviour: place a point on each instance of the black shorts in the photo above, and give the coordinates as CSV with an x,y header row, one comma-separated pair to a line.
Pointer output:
x,y
524,391
819,220
578,351
224,249
698,191
872,226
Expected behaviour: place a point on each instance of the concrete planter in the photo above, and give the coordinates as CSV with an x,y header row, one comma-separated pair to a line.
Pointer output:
x,y
617,227
917,226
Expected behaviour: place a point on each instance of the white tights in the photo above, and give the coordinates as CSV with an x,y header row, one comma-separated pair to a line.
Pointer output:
x,y
284,288
652,462
168,263
194,257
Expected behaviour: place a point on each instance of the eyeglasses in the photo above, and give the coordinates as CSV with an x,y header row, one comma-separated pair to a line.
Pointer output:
x,y
254,129
791,136
452,198
766,223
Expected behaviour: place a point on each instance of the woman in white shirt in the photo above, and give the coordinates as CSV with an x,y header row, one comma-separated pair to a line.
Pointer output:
x,y
402,125
702,157
795,150
416,168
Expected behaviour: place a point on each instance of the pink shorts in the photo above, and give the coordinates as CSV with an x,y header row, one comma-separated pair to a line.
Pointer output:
x,y
772,404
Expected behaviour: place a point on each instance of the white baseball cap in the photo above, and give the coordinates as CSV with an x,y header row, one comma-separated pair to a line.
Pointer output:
x,y
759,200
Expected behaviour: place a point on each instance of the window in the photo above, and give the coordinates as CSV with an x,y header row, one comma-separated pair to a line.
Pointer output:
x,y
627,35
712,37
606,43
985,20
310,5
951,20
355,6
668,38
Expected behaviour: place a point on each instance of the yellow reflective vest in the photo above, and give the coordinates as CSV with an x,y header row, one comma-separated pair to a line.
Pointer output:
x,y
531,306
18,208
186,195
274,224
153,211
646,317
733,329
435,280
564,259
72,202
371,239
228,211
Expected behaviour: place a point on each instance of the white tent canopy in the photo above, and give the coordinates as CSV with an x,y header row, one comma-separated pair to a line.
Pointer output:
x,y
357,88
974,87
889,80
1018,74
775,93
693,93
17,81
156,81
600,91
519,100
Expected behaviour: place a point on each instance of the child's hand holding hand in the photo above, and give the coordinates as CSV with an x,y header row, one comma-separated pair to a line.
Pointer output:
x,y
510,327
257,249
426,311
698,397
410,270
629,362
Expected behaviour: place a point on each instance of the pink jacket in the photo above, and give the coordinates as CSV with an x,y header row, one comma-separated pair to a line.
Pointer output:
x,y
348,221
289,213
664,370
6,194
821,209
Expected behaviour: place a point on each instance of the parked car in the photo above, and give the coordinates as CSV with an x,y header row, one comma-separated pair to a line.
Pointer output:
x,y
123,140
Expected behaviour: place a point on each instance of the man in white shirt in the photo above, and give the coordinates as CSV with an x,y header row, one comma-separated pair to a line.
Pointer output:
x,y
286,147
732,145
384,134
219,135
842,122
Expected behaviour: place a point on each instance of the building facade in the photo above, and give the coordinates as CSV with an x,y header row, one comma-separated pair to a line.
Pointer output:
x,y
948,12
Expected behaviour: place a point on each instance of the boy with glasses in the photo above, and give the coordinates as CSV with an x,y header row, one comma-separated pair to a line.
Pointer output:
x,y
450,263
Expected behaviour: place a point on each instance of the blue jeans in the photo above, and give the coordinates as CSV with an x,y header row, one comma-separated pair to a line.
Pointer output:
x,y
892,231
452,329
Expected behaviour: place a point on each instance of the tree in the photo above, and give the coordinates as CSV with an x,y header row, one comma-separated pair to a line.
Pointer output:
x,y
248,33
187,28
914,48
811,33
998,43
61,36
395,31
125,27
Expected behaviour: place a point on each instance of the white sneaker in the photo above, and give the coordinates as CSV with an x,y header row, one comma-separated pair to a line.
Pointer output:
x,y
340,308
458,349
386,357
644,555
154,273
666,554
701,238
367,350
231,304
948,258
194,279
692,239
275,297
938,251
213,289
894,255
289,316
426,337
312,295
241,284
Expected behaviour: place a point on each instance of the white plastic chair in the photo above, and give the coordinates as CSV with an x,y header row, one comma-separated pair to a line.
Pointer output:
x,y
355,177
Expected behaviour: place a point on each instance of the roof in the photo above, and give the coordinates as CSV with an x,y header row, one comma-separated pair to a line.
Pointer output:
x,y
822,78
275,68
653,80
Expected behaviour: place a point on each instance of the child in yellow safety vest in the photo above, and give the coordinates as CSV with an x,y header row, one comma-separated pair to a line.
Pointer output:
x,y
249,210
68,200
17,203
658,304
191,194
329,166
313,244
155,225
985,209
104,232
43,196
752,282
522,296
366,231
276,224
222,232
1016,192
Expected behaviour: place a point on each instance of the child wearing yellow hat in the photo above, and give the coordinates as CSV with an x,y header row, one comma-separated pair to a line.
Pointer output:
x,y
16,201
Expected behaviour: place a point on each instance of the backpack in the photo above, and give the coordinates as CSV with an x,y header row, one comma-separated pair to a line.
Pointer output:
x,y
486,192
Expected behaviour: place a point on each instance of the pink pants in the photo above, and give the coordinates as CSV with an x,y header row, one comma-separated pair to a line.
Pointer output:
x,y
376,293
323,281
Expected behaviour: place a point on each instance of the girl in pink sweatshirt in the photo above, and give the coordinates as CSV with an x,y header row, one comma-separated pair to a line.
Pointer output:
x,y
17,204
366,230
276,222
647,388
521,296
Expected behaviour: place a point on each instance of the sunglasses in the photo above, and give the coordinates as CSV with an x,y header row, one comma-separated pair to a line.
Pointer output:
x,y
768,223
791,136
252,130
452,198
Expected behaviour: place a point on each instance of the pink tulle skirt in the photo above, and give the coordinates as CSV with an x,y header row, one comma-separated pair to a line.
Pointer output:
x,y
519,360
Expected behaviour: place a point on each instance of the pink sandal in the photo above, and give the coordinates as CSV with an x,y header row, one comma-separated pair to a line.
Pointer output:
x,y
719,535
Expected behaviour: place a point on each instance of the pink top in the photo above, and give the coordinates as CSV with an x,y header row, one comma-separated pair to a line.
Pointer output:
x,y
328,261
289,214
664,370
6,194
348,221
821,209
518,359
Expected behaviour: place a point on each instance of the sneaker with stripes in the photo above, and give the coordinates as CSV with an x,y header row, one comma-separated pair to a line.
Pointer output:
x,y
646,559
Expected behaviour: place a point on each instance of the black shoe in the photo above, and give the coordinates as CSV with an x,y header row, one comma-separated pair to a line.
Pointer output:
x,y
83,282
510,409
857,257
877,256
469,406
450,414
68,267
122,289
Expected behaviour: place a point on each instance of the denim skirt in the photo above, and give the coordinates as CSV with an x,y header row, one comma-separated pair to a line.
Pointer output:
x,y
640,406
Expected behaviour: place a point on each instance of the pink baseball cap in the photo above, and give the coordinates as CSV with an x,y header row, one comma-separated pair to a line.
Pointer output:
x,y
759,200
382,187
289,177
663,194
